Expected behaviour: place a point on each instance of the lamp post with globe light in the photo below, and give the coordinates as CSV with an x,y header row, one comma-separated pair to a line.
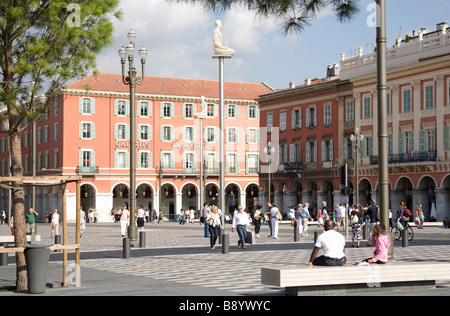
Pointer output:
x,y
132,80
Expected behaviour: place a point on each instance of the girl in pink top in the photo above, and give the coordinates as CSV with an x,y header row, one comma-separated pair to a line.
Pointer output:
x,y
381,243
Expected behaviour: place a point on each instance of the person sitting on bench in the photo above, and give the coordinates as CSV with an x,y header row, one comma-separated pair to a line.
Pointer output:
x,y
333,245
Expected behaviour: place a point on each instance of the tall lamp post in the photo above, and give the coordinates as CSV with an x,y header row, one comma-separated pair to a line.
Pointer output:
x,y
132,80
269,150
356,139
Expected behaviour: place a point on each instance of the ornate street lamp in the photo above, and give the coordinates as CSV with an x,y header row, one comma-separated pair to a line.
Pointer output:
x,y
357,139
132,80
269,150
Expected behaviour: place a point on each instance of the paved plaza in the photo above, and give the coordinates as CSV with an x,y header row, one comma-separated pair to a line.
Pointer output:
x,y
177,261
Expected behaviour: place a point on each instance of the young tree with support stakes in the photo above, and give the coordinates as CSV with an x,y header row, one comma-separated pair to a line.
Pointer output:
x,y
43,45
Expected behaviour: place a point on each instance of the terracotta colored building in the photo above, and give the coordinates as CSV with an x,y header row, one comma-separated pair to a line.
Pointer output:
x,y
316,121
86,132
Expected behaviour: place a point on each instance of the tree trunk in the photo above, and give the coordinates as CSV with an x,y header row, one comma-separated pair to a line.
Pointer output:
x,y
20,238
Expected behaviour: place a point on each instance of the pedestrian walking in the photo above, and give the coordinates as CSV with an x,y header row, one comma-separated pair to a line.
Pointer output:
x,y
268,214
82,222
372,211
30,222
275,216
181,220
214,225
240,223
160,217
298,218
257,215
205,212
419,214
124,218
306,217
356,220
11,225
140,218
55,223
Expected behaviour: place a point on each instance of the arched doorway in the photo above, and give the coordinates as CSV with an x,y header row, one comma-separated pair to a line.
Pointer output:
x,y
427,196
144,196
251,196
87,200
212,194
167,206
189,197
120,196
232,198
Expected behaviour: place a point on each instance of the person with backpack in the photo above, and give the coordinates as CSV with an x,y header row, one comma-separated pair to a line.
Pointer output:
x,y
404,214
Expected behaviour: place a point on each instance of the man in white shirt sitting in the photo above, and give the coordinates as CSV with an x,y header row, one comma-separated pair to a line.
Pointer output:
x,y
333,245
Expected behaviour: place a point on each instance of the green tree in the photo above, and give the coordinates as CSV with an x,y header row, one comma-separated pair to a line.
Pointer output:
x,y
293,15
43,45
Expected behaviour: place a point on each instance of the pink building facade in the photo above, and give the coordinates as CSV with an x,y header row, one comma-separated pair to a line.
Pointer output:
x,y
87,132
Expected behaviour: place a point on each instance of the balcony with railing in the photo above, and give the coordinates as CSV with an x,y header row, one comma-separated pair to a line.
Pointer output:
x,y
408,157
87,170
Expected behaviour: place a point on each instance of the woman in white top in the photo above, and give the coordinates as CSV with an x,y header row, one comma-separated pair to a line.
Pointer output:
x,y
214,223
240,221
274,213
55,223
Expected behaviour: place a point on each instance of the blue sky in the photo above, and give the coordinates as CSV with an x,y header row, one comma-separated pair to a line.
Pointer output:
x,y
179,39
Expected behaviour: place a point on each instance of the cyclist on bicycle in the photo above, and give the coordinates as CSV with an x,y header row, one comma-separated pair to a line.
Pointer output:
x,y
402,216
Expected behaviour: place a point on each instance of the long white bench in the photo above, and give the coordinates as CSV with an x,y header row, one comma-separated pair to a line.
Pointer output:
x,y
354,279
10,238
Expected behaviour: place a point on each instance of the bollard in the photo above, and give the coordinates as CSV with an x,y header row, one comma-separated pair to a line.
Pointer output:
x,y
126,248
36,258
142,239
404,238
316,234
296,234
225,244
365,232
3,257
57,241
220,235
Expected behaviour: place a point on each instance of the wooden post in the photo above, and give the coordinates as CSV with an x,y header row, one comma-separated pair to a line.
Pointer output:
x,y
65,242
77,236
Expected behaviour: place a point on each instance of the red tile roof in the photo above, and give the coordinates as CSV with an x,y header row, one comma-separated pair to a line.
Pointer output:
x,y
173,87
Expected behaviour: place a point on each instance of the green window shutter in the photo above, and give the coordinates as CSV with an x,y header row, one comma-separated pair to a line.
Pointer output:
x,y
422,143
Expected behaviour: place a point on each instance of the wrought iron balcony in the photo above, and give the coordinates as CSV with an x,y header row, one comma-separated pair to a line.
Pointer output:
x,y
408,157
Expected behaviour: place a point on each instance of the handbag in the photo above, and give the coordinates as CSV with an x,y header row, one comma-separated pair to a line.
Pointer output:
x,y
278,215
354,220
417,221
399,226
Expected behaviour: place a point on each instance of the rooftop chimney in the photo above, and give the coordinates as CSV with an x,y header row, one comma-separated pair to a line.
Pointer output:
x,y
291,84
307,81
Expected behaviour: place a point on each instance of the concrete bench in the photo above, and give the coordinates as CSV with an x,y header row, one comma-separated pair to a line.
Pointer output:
x,y
350,278
10,238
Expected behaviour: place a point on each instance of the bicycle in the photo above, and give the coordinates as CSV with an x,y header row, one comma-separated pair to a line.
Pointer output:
x,y
397,233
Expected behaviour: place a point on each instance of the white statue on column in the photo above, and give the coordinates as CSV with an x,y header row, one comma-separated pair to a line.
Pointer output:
x,y
219,49
203,109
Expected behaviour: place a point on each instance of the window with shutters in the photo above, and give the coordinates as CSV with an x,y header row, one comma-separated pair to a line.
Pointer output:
x,y
211,135
121,159
232,135
367,107
429,97
232,163
350,110
144,159
87,130
144,108
283,121
269,122
327,114
252,163
406,101
167,160
121,107
86,106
